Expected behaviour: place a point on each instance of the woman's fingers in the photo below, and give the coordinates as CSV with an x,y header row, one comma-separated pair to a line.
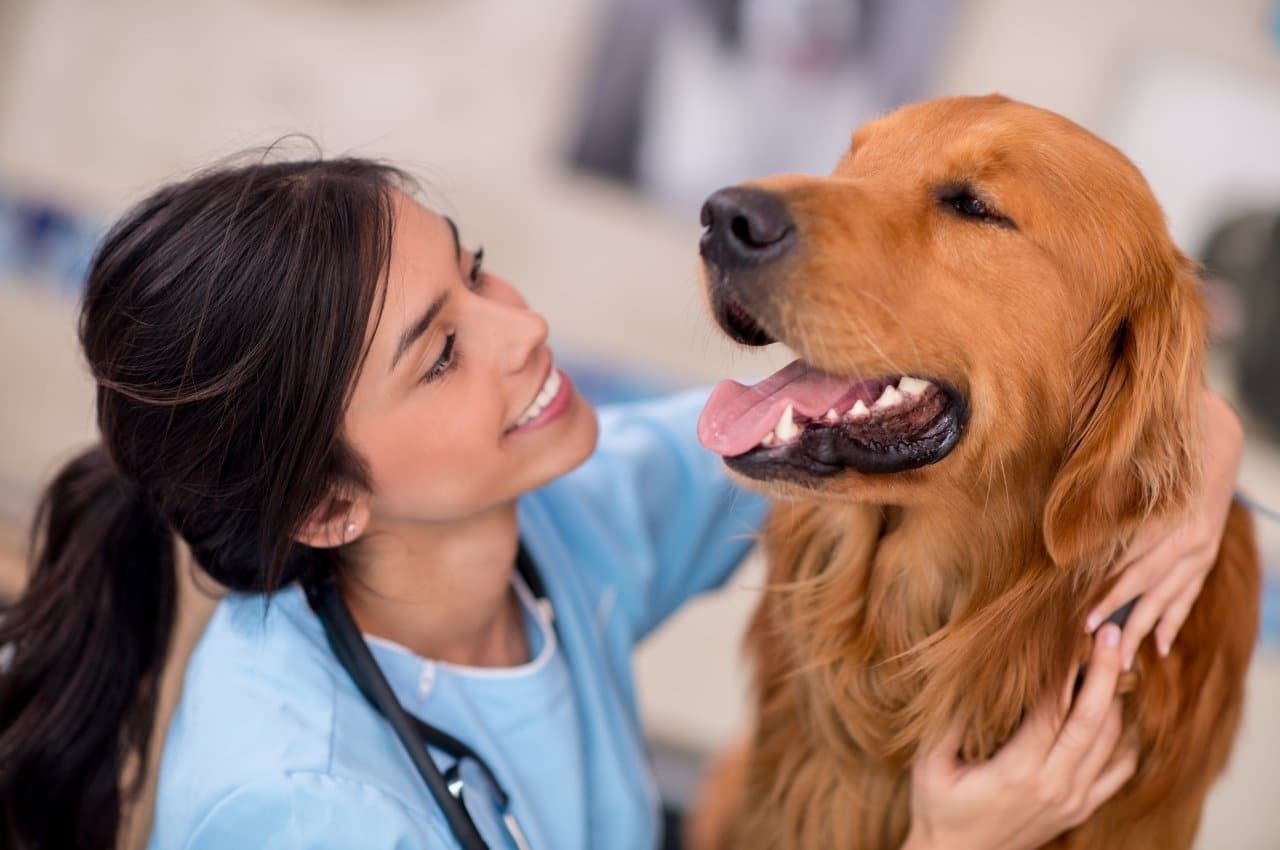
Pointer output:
x,y
1025,752
1089,714
1104,746
1150,535
1152,606
1139,573
1176,614
1111,781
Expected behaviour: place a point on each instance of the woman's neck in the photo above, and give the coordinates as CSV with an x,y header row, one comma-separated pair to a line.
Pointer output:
x,y
442,590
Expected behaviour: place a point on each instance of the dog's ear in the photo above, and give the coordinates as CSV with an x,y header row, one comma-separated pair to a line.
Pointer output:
x,y
1133,448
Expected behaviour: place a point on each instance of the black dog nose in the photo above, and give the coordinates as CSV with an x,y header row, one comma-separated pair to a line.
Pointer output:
x,y
745,226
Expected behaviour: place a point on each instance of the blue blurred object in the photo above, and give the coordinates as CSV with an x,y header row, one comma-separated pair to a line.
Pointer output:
x,y
45,242
602,383
1270,629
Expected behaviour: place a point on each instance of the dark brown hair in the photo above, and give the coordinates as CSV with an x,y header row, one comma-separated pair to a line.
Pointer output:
x,y
225,321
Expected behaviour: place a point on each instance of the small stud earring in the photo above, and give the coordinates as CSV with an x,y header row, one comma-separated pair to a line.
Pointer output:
x,y
351,529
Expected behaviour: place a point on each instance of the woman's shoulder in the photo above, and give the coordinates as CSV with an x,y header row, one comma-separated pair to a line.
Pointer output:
x,y
259,669
261,701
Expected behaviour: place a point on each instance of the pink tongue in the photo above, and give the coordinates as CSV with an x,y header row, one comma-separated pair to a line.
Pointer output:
x,y
736,418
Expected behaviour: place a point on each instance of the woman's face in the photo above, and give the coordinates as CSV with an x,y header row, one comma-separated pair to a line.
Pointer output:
x,y
459,406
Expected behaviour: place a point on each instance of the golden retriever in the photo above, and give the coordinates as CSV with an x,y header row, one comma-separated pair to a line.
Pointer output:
x,y
1000,363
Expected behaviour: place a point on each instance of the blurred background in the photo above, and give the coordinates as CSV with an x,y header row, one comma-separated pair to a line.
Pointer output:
x,y
576,140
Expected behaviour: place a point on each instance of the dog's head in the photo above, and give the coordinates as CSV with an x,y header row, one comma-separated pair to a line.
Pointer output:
x,y
980,289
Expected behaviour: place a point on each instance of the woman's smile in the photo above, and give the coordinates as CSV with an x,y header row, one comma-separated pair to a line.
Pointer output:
x,y
553,399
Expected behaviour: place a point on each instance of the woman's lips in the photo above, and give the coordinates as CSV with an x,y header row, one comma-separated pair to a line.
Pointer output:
x,y
552,400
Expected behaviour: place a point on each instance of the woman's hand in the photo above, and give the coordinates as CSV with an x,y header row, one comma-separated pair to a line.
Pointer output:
x,y
1168,560
1049,777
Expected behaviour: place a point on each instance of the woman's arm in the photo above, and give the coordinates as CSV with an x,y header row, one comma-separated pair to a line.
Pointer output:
x,y
654,515
1169,559
1050,776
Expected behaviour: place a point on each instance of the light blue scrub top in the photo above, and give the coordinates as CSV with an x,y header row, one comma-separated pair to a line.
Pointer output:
x,y
273,747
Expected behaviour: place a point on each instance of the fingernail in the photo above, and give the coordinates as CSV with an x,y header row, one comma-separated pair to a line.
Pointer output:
x,y
1091,624
1110,635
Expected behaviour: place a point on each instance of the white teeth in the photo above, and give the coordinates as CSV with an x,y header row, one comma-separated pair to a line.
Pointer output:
x,y
889,398
832,416
768,440
786,430
550,389
859,410
913,386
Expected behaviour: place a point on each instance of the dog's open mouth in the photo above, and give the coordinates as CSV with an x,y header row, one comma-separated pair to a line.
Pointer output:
x,y
801,422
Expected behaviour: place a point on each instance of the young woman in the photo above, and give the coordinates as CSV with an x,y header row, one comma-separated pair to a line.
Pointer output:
x,y
309,379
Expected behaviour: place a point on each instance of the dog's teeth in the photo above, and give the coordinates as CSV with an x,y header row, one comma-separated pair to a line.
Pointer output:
x,y
859,410
768,440
786,429
889,398
832,416
913,386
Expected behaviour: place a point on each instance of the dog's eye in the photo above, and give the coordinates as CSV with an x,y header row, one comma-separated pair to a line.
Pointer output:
x,y
970,206
962,200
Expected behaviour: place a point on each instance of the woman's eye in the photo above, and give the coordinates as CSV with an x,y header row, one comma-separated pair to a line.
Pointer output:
x,y
445,362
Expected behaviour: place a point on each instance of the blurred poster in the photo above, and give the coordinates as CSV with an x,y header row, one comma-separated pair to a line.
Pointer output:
x,y
689,95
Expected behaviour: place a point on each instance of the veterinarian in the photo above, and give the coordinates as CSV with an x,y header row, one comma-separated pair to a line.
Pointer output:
x,y
312,381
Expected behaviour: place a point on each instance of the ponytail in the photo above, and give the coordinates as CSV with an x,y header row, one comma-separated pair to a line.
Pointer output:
x,y
80,658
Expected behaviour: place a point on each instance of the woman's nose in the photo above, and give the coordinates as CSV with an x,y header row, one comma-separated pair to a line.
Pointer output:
x,y
531,339
519,334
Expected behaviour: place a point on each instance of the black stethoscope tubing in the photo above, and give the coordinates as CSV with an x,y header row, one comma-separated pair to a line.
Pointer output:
x,y
414,734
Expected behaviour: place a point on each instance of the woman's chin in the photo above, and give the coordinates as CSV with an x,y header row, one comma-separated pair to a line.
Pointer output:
x,y
560,446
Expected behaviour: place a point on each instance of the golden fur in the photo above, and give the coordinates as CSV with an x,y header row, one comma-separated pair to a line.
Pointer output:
x,y
902,602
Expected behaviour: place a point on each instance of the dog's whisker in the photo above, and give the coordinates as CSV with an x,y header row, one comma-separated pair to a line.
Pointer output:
x,y
911,337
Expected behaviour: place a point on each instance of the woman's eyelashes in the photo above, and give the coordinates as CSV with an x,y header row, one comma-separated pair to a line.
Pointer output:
x,y
448,359
449,355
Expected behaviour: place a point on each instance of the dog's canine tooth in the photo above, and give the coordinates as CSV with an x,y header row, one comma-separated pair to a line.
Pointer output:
x,y
889,398
768,440
832,416
859,410
786,430
913,386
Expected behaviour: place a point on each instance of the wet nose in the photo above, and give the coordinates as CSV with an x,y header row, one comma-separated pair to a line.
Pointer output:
x,y
745,227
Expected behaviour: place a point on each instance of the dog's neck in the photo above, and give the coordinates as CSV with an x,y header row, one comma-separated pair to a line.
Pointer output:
x,y
934,561
903,609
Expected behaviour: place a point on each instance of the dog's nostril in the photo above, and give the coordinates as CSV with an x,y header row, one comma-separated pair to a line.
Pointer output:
x,y
745,225
757,234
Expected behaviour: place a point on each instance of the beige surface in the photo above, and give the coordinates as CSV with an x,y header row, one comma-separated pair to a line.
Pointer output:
x,y
100,100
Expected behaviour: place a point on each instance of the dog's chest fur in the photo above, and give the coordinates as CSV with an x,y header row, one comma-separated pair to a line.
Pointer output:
x,y
851,643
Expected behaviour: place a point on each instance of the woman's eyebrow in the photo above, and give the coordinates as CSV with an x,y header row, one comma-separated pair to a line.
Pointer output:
x,y
418,328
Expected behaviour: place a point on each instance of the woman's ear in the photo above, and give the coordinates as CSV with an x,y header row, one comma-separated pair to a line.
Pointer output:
x,y
339,519
1133,449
